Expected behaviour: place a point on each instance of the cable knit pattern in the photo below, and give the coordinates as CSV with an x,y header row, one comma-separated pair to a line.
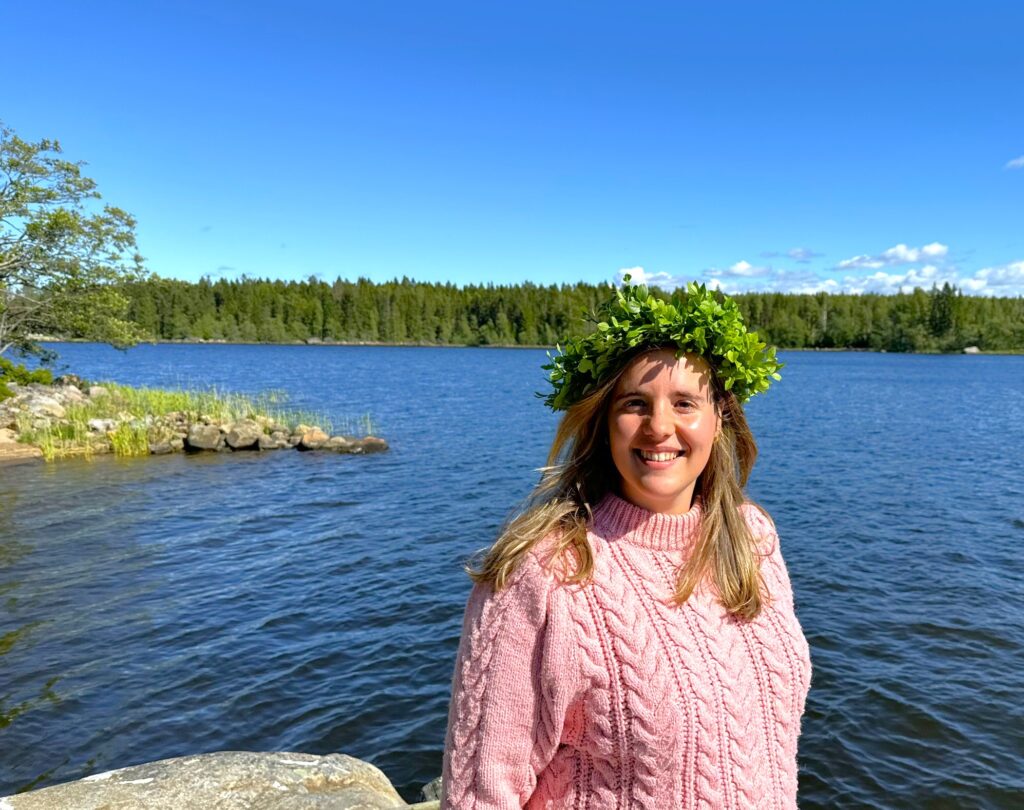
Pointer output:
x,y
609,695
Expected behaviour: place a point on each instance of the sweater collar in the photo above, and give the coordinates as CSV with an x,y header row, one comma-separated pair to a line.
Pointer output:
x,y
618,519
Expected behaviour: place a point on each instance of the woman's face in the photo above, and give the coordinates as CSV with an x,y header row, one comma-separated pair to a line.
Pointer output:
x,y
661,425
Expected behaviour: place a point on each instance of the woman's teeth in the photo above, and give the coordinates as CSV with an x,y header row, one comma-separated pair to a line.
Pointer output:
x,y
648,456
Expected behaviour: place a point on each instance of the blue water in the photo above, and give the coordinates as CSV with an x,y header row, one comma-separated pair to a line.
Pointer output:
x,y
295,601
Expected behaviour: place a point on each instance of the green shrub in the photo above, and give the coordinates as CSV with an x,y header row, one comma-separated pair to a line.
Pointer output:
x,y
10,373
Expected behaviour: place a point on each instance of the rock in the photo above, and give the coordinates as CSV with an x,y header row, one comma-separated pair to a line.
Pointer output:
x,y
272,442
339,444
72,394
12,451
972,350
204,437
312,439
177,444
243,435
374,444
101,425
46,406
69,380
97,391
228,780
160,448
432,790
100,446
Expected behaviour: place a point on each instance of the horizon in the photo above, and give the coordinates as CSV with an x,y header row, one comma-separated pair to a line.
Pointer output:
x,y
801,148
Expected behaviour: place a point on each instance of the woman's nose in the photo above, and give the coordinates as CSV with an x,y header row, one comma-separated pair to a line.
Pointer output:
x,y
659,423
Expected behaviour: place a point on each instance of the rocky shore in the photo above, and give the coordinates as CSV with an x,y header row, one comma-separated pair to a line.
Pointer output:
x,y
49,421
230,780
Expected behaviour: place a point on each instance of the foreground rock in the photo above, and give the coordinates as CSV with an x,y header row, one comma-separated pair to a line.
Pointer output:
x,y
43,410
11,450
228,780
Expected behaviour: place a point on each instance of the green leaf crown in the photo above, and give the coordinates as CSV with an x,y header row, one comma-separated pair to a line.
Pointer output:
x,y
697,321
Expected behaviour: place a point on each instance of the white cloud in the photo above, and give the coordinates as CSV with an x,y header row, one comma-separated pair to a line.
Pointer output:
x,y
1016,163
745,269
1004,279
900,254
640,276
997,280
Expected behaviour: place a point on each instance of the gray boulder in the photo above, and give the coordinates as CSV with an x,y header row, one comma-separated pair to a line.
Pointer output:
x,y
204,437
355,446
228,780
272,442
244,435
96,391
46,406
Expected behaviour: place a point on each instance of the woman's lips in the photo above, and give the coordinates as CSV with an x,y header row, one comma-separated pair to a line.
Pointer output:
x,y
658,456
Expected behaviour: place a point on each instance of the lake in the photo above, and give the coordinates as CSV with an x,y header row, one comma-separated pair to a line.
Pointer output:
x,y
172,605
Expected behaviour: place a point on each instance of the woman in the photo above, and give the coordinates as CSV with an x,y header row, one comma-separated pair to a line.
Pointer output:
x,y
631,639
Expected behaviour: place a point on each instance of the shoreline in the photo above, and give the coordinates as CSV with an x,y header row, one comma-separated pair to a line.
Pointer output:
x,y
315,343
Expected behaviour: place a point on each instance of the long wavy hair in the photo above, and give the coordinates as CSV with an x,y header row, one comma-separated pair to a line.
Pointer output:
x,y
580,472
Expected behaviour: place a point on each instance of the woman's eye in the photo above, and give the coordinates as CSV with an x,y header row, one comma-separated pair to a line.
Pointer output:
x,y
686,404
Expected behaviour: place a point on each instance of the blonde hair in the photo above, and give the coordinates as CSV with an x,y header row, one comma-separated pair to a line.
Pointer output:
x,y
580,472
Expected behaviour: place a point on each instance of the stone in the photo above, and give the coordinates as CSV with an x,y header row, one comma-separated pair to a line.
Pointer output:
x,y
243,435
47,406
312,439
160,448
432,790
339,444
227,780
72,394
374,444
177,443
204,437
972,350
97,391
101,425
271,442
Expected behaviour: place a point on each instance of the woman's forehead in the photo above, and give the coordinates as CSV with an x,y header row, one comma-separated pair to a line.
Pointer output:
x,y
661,366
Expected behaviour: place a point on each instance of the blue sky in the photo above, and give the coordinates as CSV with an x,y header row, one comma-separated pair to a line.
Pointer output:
x,y
751,145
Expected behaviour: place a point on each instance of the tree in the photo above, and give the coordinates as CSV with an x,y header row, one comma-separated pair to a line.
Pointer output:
x,y
61,259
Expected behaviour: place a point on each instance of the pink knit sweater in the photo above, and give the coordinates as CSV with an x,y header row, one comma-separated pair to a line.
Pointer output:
x,y
608,695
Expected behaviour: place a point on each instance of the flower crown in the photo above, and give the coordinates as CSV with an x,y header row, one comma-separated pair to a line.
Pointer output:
x,y
697,321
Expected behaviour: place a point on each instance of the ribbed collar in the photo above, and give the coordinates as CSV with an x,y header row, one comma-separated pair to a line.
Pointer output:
x,y
616,519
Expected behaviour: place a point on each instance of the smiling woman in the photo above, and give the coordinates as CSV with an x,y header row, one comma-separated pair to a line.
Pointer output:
x,y
631,639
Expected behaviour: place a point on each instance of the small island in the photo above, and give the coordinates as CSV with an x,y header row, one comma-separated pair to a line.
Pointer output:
x,y
68,417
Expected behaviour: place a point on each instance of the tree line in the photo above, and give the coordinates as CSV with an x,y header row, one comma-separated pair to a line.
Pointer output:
x,y
407,311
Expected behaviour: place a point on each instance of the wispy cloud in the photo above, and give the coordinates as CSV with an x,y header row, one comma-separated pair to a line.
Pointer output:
x,y
1016,163
894,256
801,254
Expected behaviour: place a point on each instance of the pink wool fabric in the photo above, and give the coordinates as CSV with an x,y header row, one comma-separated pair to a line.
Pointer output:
x,y
608,695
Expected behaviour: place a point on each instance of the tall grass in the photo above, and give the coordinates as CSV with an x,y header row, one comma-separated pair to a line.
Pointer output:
x,y
138,414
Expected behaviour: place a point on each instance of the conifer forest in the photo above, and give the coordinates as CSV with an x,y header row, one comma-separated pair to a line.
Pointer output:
x,y
941,319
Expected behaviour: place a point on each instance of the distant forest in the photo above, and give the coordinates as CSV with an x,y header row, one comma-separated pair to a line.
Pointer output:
x,y
255,310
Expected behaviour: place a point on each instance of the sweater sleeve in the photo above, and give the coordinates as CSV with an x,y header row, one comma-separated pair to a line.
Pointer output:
x,y
516,674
